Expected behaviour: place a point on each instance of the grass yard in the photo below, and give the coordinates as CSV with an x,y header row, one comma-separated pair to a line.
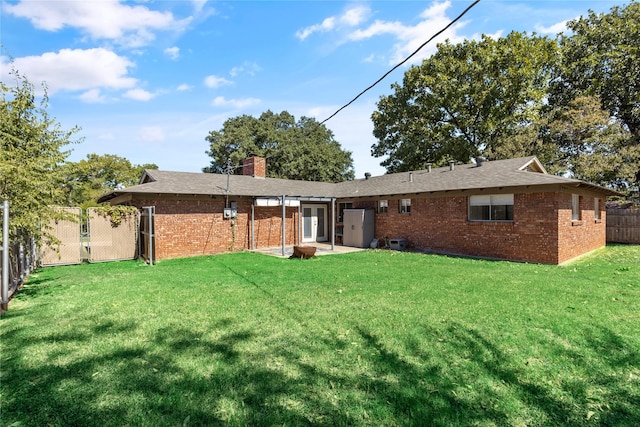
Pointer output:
x,y
368,338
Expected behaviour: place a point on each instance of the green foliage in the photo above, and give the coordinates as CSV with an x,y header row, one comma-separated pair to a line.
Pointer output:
x,y
97,175
374,338
302,149
601,57
31,156
115,213
592,146
466,99
578,139
574,102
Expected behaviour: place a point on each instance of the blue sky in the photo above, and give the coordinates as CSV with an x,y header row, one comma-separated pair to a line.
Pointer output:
x,y
148,80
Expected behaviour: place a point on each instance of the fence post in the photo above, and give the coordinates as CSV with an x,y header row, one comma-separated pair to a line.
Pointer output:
x,y
5,256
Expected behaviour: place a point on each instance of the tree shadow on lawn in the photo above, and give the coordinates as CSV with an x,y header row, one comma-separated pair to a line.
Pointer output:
x,y
181,378
38,286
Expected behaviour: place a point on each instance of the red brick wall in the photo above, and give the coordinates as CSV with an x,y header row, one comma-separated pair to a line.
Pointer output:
x,y
186,228
579,237
541,231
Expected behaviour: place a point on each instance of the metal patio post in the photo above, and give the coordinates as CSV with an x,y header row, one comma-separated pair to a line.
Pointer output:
x,y
5,256
284,214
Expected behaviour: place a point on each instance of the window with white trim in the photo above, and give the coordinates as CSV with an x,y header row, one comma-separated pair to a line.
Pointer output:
x,y
575,207
596,209
491,207
383,206
404,206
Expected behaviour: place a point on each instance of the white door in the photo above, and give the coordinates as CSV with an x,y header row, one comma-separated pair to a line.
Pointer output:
x,y
314,223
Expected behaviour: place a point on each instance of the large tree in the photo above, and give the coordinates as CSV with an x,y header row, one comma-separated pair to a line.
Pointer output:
x,y
90,178
579,139
601,57
31,157
303,149
590,144
463,101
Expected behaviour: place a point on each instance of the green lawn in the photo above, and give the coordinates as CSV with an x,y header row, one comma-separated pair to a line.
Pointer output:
x,y
368,338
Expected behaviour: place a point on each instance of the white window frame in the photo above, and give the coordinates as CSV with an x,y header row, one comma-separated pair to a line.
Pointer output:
x,y
491,202
404,206
383,206
576,213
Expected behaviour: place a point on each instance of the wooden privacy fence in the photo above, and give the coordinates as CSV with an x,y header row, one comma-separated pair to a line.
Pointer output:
x,y
623,226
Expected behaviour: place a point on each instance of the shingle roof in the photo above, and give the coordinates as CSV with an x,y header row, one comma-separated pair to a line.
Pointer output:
x,y
166,182
525,171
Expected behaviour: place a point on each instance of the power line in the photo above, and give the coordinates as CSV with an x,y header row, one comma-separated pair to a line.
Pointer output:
x,y
405,60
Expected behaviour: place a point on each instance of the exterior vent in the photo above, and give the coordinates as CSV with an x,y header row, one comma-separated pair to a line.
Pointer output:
x,y
480,161
367,175
410,176
428,167
452,165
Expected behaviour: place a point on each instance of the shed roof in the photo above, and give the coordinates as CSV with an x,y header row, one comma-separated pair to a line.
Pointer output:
x,y
519,172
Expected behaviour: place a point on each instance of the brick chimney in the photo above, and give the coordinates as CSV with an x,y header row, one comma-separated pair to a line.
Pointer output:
x,y
255,166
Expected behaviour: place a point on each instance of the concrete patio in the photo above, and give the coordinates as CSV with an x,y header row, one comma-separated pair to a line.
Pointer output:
x,y
322,248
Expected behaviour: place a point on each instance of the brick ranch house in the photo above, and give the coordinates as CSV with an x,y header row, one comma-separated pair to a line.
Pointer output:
x,y
505,209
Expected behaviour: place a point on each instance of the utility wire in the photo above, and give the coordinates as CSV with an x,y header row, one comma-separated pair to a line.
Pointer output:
x,y
405,60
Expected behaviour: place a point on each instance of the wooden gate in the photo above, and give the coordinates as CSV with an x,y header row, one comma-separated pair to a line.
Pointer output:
x,y
68,232
147,234
104,240
110,241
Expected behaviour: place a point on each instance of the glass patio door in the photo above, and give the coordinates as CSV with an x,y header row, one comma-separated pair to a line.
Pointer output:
x,y
314,223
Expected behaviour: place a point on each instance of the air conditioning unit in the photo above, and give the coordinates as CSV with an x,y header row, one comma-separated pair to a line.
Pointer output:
x,y
398,244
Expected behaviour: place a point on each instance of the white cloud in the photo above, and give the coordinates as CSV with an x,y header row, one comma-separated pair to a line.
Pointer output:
x,y
221,101
172,52
327,25
214,82
151,134
198,5
106,19
184,87
250,68
139,95
93,96
350,18
552,29
409,38
355,16
77,69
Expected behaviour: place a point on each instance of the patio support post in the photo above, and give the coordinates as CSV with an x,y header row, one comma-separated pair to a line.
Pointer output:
x,y
333,223
5,256
253,217
299,223
151,235
284,213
